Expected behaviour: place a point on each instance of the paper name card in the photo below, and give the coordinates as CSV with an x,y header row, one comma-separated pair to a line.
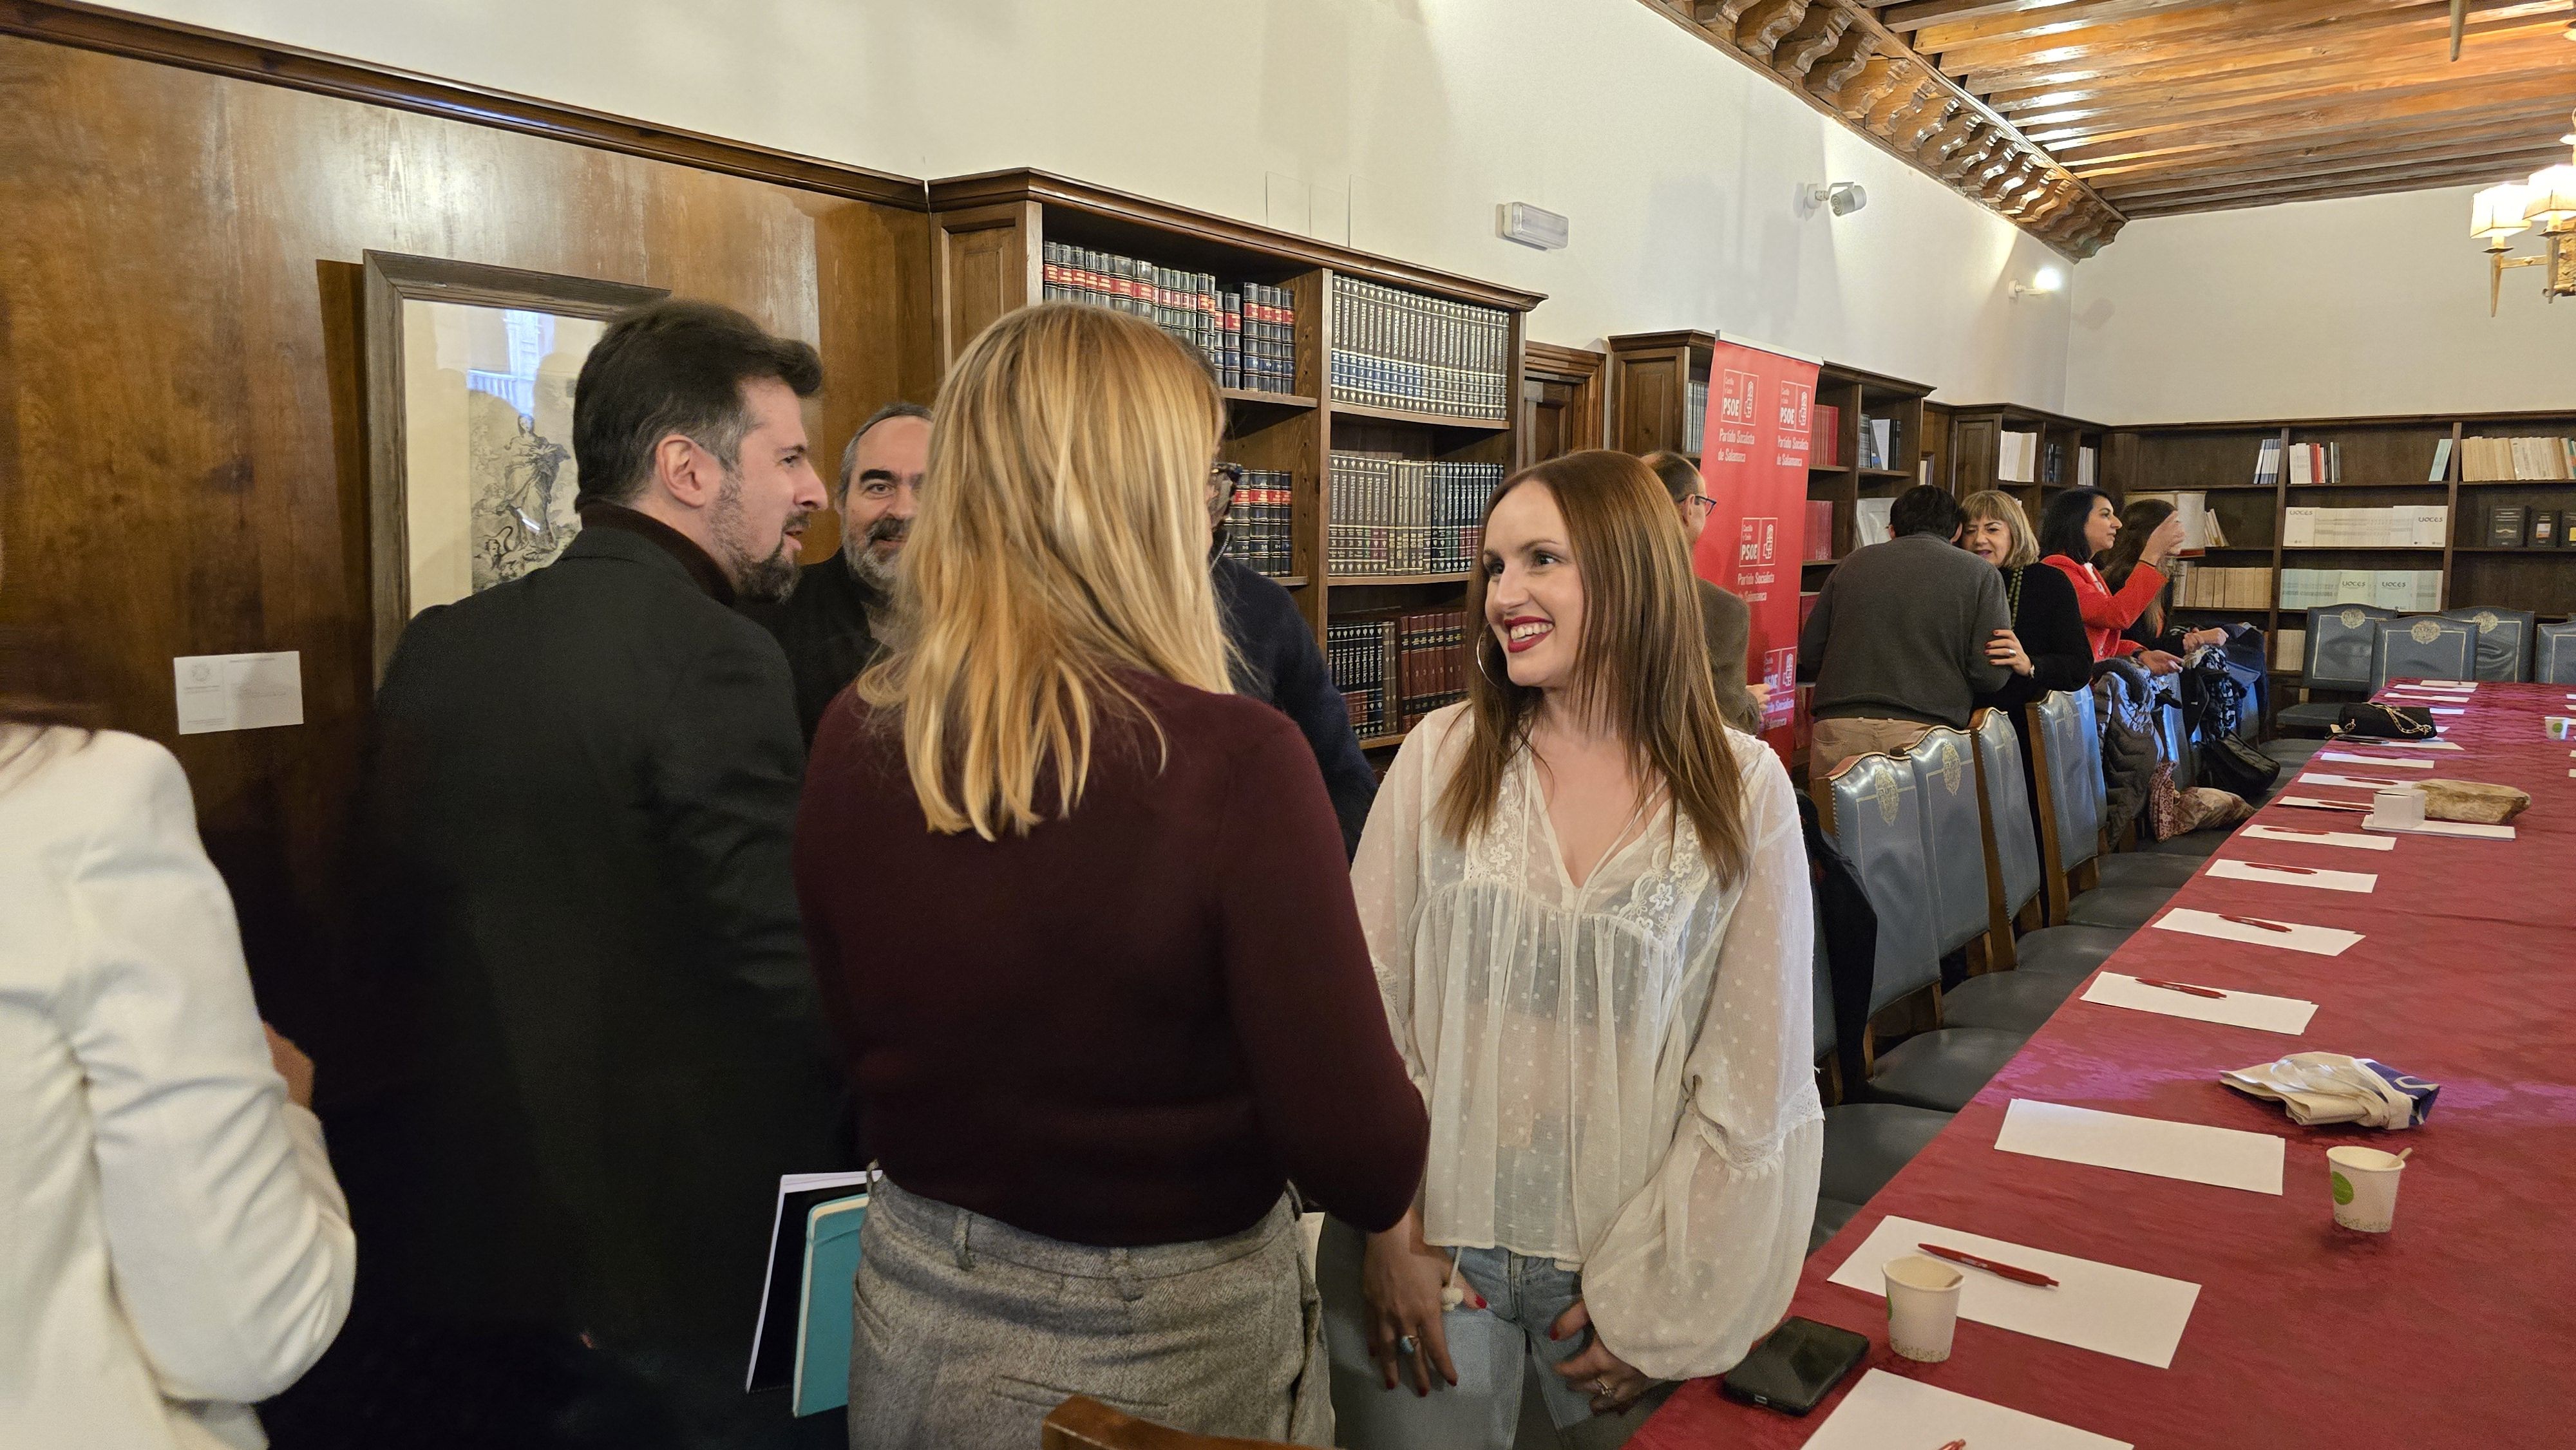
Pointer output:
x,y
2357,782
2324,941
2462,686
2445,710
239,692
2377,744
1889,1409
2352,840
2192,1152
2233,1009
2317,803
2475,830
2390,762
2096,1306
2322,880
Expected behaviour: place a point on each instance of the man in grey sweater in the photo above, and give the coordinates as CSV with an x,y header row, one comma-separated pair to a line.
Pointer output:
x,y
1897,642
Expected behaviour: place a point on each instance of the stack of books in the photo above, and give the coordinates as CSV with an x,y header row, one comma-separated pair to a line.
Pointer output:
x,y
1820,531
2522,526
2017,457
1401,350
2202,586
1825,436
1877,441
2267,464
2402,590
1257,527
2398,526
1355,650
1695,415
1247,333
1406,515
2314,463
1430,661
2489,460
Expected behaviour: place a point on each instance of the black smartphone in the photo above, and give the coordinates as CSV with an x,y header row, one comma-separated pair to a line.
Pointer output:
x,y
1797,1366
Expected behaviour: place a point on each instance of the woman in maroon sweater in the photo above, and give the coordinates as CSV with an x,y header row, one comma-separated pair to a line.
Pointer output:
x,y
1082,925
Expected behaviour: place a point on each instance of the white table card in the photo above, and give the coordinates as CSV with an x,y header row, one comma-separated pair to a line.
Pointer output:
x,y
2192,1152
2234,1009
2096,1306
2322,880
2352,840
2324,941
1885,1409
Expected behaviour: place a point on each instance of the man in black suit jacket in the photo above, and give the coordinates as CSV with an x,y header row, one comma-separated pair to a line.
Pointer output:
x,y
581,807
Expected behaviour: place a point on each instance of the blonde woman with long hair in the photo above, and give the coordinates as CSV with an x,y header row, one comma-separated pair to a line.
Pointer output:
x,y
1081,924
1588,905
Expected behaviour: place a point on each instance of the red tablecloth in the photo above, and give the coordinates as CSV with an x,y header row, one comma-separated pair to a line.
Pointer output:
x,y
2457,1329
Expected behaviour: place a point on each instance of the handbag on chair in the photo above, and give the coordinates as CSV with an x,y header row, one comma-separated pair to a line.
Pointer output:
x,y
2365,721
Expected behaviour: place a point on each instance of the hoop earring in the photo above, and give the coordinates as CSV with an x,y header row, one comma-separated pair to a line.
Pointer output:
x,y
1504,684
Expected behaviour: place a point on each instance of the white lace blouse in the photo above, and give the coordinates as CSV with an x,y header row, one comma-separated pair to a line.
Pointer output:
x,y
1620,1075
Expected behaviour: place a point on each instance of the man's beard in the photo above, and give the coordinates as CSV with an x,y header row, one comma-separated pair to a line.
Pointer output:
x,y
772,578
877,571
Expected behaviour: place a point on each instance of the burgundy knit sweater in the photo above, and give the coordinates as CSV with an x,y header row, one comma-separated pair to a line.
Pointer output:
x,y
1131,1025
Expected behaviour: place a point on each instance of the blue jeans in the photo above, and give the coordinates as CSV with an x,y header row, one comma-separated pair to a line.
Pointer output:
x,y
1493,1350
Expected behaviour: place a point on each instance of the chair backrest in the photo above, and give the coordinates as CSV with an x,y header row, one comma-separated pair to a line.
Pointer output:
x,y
1083,1423
1876,817
2555,662
2071,736
2504,640
1945,781
2012,830
2423,647
2339,646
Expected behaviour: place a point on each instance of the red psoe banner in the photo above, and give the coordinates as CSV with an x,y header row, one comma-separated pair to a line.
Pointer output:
x,y
1753,454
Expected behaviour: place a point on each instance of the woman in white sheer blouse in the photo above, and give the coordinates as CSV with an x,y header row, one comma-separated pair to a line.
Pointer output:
x,y
1588,906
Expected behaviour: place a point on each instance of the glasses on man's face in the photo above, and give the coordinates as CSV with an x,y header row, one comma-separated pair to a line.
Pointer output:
x,y
1702,502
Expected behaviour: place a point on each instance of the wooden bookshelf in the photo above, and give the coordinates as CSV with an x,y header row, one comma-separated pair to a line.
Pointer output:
x,y
1651,383
988,248
1844,481
1561,396
2386,461
1976,450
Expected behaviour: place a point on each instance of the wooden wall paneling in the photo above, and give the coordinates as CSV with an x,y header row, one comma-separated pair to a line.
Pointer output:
x,y
182,339
1649,390
987,265
1562,401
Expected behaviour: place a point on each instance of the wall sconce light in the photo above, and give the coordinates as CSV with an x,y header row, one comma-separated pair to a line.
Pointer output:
x,y
2547,200
2041,283
1843,197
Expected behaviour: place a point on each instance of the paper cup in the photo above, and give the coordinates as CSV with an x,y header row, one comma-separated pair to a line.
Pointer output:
x,y
2399,806
2364,1184
1922,1307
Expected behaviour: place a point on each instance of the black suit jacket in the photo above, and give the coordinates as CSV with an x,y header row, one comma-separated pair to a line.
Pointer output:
x,y
823,627
580,810
1279,664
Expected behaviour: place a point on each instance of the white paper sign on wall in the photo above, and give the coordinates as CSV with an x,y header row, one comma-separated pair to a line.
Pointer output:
x,y
239,692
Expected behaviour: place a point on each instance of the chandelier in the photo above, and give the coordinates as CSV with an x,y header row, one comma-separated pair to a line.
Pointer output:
x,y
2547,200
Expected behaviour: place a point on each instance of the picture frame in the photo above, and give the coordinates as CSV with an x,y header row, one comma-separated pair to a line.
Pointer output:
x,y
469,377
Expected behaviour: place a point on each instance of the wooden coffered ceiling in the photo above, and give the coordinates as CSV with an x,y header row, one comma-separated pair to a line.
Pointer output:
x,y
2070,116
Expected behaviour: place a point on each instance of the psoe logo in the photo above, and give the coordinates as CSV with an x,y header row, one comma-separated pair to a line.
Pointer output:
x,y
1758,546
1796,402
1736,394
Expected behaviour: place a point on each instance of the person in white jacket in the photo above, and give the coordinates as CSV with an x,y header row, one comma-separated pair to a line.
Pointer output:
x,y
173,1245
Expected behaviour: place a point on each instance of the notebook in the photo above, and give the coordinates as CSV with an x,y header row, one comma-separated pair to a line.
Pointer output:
x,y
778,1330
823,1314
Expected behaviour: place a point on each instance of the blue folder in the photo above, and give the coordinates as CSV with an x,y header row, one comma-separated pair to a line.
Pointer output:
x,y
823,1313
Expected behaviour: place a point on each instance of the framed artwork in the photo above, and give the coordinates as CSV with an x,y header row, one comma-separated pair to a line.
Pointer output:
x,y
470,373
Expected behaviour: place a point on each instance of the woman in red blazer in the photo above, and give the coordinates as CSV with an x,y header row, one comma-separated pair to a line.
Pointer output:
x,y
2081,523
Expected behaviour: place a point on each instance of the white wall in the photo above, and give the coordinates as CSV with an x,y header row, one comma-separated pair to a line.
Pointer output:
x,y
2361,305
1677,164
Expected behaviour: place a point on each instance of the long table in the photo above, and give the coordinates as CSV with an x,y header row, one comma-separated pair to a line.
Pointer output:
x,y
2455,1330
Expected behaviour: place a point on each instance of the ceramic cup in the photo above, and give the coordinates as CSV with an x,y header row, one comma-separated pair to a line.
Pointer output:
x,y
2364,1184
1922,1307
2401,805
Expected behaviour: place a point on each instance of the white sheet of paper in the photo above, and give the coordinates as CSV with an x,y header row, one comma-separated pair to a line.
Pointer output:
x,y
2192,1152
2405,744
238,692
2324,941
2446,710
2352,839
2236,1009
2284,876
1889,1409
2474,829
2388,761
2317,802
2096,1306
2463,686
2357,782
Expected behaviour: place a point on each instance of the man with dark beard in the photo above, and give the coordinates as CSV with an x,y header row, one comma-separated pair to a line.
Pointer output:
x,y
832,626
605,1042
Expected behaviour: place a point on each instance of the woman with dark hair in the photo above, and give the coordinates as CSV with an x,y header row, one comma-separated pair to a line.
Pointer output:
x,y
2140,522
177,1246
1587,902
2079,524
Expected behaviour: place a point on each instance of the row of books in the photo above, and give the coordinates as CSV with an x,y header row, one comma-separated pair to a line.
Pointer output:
x,y
2399,589
1258,526
2027,458
2200,528
1695,415
1355,650
1248,333
1406,515
2207,586
2489,460
2518,526
1430,661
2397,526
1877,438
1394,669
1402,350
2300,464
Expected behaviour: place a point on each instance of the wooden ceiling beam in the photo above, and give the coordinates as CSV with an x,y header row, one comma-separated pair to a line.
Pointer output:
x,y
2047,20
1920,13
2518,98
2290,152
2151,120
2504,160
2400,179
2276,21
2040,109
2513,36
2167,62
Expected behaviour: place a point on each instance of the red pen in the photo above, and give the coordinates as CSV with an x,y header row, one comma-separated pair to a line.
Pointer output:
x,y
2319,805
2180,987
2293,870
1956,1445
2007,1271
2256,921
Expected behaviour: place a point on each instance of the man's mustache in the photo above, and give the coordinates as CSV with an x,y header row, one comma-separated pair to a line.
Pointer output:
x,y
888,528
